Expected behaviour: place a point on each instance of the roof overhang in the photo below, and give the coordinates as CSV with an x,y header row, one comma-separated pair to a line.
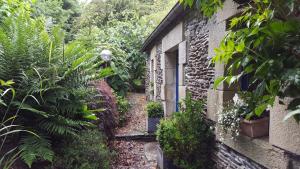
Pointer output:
x,y
176,13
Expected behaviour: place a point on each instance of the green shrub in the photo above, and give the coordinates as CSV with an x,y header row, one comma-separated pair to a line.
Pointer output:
x,y
123,108
87,151
187,138
50,81
155,110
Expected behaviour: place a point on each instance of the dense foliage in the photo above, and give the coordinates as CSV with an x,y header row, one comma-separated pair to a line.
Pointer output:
x,y
8,154
207,7
186,138
87,151
233,112
50,49
121,26
123,108
263,44
58,12
155,110
50,80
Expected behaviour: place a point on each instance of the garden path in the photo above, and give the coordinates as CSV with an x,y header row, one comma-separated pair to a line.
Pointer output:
x,y
134,154
136,117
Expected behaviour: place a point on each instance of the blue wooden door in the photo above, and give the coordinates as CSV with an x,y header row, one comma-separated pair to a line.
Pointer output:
x,y
177,83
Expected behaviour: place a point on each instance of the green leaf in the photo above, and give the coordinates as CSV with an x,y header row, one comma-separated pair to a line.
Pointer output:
x,y
291,114
249,69
260,109
218,81
7,83
230,45
234,22
2,103
262,69
91,117
33,147
106,72
137,82
254,31
240,47
24,106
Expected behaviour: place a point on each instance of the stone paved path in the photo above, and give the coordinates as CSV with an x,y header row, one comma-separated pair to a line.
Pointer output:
x,y
134,154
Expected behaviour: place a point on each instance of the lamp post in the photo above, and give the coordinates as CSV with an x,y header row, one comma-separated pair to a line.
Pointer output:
x,y
106,55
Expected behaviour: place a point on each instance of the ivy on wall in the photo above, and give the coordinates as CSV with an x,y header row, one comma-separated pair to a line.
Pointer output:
x,y
208,7
263,42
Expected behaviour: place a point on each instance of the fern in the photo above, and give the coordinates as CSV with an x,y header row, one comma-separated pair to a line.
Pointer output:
x,y
50,80
33,147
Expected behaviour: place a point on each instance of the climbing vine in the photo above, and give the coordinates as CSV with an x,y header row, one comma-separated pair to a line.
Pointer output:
x,y
263,43
208,7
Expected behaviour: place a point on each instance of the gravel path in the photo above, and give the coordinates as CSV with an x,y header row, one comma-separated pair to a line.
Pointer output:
x,y
132,154
136,122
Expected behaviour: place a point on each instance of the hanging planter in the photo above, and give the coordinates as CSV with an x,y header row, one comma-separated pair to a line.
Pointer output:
x,y
255,128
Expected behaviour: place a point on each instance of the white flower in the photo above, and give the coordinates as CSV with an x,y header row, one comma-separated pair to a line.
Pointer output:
x,y
236,98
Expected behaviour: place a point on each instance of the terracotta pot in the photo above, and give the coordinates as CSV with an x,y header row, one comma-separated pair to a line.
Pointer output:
x,y
255,128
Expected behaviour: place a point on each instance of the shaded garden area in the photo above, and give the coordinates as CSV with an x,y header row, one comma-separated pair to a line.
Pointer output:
x,y
82,87
60,101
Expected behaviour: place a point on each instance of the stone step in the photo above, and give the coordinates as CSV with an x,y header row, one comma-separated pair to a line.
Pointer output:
x,y
138,137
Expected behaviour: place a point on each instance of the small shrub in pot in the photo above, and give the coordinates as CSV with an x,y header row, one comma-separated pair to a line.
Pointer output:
x,y
155,113
187,137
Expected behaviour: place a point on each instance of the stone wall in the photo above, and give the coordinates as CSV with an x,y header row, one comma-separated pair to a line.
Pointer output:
x,y
199,75
226,157
202,36
199,78
147,79
159,73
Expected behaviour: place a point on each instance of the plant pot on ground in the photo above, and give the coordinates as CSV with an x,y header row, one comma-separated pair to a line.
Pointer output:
x,y
186,137
163,162
155,113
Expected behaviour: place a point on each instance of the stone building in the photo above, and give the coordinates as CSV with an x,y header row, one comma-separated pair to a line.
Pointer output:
x,y
179,52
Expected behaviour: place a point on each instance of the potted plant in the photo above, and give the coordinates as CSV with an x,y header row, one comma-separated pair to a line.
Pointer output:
x,y
186,139
243,115
155,113
164,162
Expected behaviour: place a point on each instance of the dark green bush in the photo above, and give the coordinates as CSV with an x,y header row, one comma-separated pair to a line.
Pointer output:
x,y
155,110
87,151
187,138
50,81
123,108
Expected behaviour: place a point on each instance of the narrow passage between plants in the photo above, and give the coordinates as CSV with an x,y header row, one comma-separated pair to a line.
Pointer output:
x,y
134,154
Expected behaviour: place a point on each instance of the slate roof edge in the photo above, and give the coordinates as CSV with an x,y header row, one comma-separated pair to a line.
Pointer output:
x,y
174,13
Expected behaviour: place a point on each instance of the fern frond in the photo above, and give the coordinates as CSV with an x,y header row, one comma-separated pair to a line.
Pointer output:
x,y
33,147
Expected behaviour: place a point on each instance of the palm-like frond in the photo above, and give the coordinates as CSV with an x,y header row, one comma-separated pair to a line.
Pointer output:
x,y
50,81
